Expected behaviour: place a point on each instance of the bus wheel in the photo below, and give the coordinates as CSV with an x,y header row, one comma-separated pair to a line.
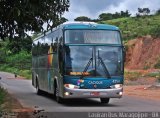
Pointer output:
x,y
104,100
58,98
39,92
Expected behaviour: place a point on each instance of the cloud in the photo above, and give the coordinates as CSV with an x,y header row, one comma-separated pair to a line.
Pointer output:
x,y
88,8
92,8
133,5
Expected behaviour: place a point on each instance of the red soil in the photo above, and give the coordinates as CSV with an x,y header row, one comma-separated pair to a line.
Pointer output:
x,y
142,53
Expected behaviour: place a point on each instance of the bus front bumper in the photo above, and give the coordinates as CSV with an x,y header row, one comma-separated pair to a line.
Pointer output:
x,y
93,93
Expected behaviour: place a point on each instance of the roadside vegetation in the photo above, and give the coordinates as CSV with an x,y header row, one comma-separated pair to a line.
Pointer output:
x,y
132,76
133,27
3,94
157,65
18,63
139,77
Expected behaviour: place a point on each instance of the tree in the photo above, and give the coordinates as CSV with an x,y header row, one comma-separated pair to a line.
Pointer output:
x,y
109,16
19,16
62,20
105,16
146,11
82,18
125,13
116,15
158,12
140,10
19,44
143,11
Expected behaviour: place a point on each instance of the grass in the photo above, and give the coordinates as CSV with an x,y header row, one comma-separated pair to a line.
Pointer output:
x,y
24,73
156,75
134,27
132,76
3,94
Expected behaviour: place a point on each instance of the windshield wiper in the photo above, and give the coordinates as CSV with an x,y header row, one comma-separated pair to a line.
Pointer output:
x,y
87,66
104,66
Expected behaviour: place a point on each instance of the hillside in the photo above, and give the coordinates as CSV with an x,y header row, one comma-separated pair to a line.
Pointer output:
x,y
133,27
143,53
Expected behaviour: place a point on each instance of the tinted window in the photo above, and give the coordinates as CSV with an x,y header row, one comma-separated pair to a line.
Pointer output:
x,y
107,58
92,36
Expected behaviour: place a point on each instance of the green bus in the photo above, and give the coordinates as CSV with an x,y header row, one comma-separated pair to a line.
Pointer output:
x,y
79,60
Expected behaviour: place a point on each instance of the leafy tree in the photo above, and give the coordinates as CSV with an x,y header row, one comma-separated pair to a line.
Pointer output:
x,y
62,20
105,16
143,11
21,16
125,13
140,10
116,15
82,18
138,15
19,44
109,16
146,11
158,12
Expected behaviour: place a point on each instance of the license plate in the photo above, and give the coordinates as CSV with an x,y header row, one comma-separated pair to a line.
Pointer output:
x,y
94,93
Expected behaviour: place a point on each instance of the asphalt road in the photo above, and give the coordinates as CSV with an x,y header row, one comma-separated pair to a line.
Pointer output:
x,y
26,94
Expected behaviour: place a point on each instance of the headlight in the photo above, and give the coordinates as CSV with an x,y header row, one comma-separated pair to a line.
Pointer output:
x,y
116,86
71,86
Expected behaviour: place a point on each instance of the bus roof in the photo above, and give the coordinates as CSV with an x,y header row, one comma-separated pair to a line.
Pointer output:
x,y
87,25
82,25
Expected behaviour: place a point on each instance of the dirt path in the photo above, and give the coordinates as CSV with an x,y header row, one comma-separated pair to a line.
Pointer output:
x,y
143,91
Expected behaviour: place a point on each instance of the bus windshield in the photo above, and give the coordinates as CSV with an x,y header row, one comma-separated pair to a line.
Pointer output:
x,y
92,37
93,61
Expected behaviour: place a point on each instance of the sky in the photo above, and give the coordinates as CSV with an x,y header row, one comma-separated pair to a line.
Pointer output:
x,y
93,8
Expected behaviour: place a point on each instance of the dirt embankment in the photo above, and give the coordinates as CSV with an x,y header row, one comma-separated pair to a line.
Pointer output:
x,y
142,53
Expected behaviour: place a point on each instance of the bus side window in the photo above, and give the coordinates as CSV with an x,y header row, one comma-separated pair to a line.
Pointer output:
x,y
55,41
47,43
41,46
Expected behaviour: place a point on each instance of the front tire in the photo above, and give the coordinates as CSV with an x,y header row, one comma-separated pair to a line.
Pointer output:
x,y
39,92
104,100
56,94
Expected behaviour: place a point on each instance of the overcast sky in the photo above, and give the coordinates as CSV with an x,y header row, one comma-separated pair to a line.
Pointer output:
x,y
92,8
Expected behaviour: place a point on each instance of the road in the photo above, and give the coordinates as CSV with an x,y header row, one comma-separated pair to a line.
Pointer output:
x,y
26,94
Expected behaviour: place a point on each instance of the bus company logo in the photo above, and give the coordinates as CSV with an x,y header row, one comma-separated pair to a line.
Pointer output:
x,y
80,81
95,82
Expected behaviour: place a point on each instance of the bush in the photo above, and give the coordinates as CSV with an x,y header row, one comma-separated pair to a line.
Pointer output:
x,y
155,31
157,75
132,76
19,63
2,97
157,65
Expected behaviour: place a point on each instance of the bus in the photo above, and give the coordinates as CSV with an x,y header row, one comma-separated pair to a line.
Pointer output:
x,y
79,60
